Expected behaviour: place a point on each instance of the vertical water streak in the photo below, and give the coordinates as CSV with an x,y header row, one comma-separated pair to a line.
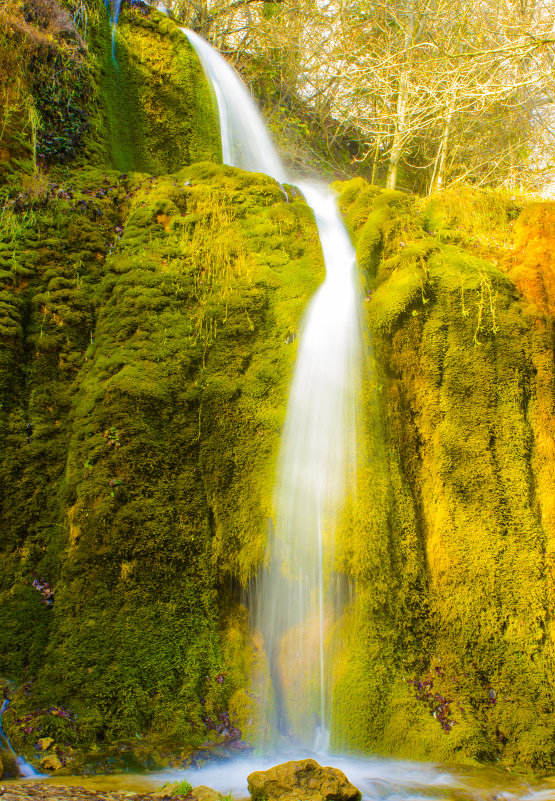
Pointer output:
x,y
317,462
317,469
113,8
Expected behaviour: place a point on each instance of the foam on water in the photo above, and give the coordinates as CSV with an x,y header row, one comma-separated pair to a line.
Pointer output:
x,y
384,779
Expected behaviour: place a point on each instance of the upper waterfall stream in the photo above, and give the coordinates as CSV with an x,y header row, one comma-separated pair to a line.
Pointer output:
x,y
318,447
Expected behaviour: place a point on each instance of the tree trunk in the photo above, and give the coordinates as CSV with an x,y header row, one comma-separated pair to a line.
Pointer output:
x,y
438,178
402,101
398,136
376,160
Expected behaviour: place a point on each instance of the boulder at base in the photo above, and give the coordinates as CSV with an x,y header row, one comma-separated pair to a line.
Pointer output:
x,y
304,780
203,793
50,763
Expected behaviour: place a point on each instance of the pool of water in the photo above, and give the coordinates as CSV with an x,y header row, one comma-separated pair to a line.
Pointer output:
x,y
378,779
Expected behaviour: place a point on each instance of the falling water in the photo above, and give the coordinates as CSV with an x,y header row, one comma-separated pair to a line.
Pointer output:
x,y
245,140
317,458
317,455
113,8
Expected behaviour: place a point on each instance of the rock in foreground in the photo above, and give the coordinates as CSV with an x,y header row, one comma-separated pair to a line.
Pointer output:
x,y
305,780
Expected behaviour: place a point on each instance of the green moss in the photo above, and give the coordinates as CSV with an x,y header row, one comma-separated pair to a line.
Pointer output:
x,y
457,361
471,216
151,345
141,104
155,112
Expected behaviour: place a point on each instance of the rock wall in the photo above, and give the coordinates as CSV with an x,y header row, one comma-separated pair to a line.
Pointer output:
x,y
145,379
155,111
144,313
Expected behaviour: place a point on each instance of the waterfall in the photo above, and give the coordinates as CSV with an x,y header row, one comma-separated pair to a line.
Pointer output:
x,y
113,8
245,140
317,462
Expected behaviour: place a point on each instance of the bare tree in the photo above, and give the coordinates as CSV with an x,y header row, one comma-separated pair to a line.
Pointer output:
x,y
416,82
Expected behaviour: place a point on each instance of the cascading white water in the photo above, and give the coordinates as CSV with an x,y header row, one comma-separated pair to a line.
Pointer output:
x,y
245,140
317,460
318,449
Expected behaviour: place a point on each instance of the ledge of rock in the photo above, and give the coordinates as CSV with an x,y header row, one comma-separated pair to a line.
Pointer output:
x,y
303,780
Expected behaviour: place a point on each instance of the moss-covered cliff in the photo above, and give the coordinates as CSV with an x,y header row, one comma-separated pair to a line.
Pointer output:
x,y
146,367
155,111
450,650
80,91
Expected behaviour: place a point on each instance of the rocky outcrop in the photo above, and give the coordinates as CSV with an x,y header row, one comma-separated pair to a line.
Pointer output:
x,y
50,763
303,780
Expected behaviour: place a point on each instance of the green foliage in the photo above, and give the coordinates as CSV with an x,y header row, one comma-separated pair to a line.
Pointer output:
x,y
44,101
182,788
61,98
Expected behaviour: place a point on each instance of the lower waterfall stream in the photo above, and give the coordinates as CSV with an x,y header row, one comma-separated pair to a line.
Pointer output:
x,y
26,770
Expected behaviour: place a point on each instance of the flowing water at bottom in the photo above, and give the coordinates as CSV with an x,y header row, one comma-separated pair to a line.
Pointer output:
x,y
376,778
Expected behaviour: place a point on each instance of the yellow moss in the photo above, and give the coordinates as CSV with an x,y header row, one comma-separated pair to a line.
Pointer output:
x,y
251,706
531,264
466,581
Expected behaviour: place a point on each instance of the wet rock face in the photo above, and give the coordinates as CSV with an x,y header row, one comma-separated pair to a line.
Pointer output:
x,y
305,779
8,766
212,269
464,485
